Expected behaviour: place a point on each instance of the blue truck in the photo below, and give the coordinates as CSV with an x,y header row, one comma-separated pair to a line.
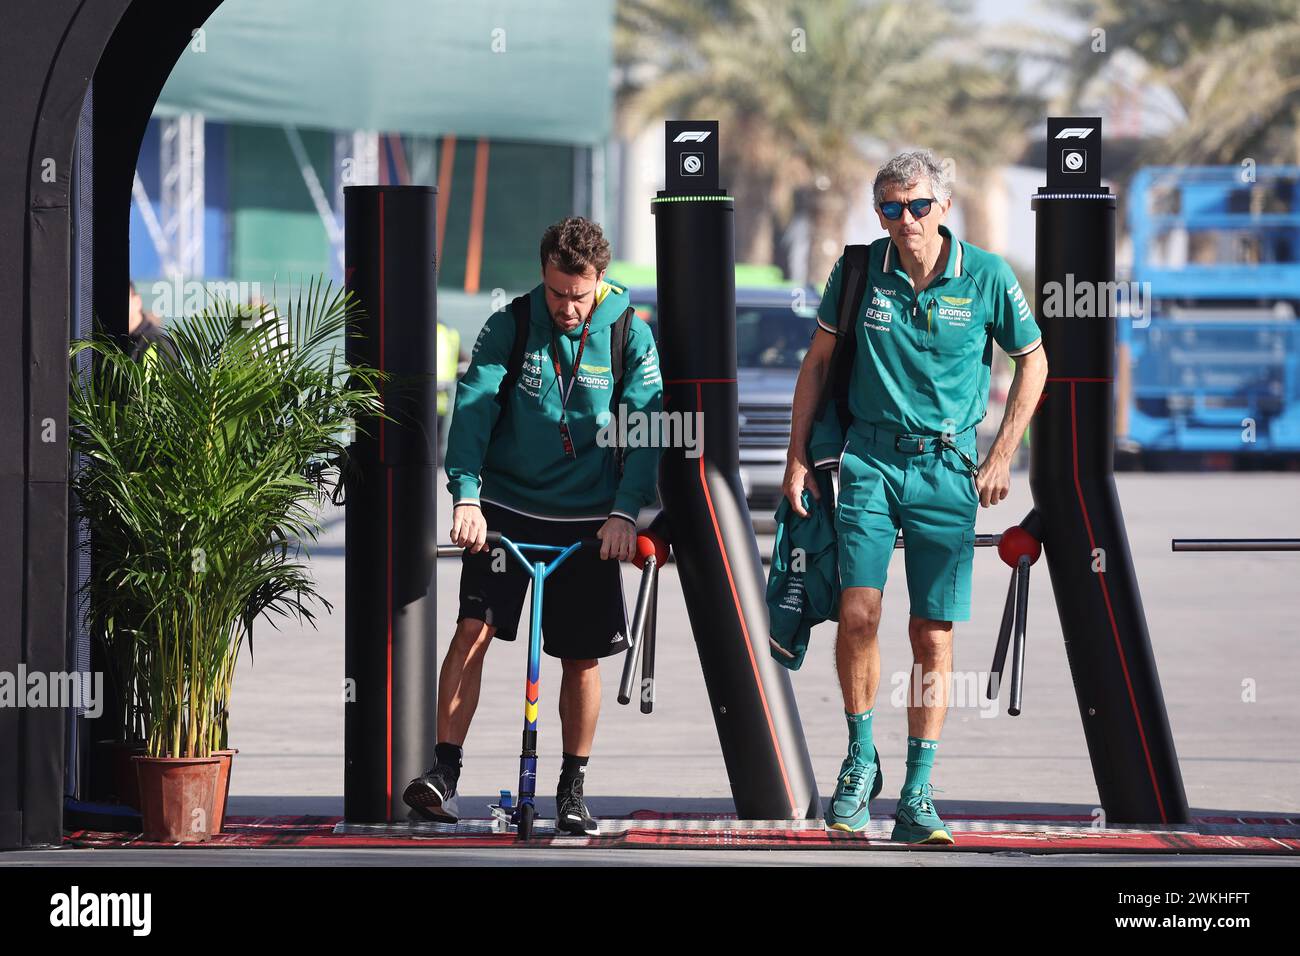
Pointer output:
x,y
1209,372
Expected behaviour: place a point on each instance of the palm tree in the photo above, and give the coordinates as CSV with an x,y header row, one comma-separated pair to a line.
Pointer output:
x,y
818,93
664,78
1233,65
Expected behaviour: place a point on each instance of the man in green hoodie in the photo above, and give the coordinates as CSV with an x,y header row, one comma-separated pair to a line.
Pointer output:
x,y
538,468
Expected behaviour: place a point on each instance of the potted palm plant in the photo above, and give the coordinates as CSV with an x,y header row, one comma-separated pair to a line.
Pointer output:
x,y
202,475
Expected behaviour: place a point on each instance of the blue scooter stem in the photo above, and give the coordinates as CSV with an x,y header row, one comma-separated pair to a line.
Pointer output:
x,y
525,809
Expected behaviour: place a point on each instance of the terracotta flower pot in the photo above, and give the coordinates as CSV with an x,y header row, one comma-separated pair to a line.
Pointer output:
x,y
223,786
177,795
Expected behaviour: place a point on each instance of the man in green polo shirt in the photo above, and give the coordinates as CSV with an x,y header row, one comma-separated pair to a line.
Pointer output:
x,y
933,308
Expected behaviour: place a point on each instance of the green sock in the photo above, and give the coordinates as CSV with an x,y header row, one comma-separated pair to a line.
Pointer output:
x,y
860,734
920,761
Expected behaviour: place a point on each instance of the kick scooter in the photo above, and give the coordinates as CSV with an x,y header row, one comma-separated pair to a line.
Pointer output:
x,y
523,814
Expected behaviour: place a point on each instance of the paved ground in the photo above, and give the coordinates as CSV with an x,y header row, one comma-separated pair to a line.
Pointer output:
x,y
542,856
1219,623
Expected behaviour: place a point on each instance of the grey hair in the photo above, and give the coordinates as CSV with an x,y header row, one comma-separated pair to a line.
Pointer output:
x,y
907,169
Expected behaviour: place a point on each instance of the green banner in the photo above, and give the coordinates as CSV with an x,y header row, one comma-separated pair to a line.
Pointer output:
x,y
531,70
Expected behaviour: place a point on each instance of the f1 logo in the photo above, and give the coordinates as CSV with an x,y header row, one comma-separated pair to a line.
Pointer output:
x,y
1074,153
691,156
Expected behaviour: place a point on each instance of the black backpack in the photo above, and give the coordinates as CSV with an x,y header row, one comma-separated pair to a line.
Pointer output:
x,y
853,289
520,308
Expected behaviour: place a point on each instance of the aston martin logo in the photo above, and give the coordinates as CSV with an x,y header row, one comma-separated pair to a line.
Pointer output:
x,y
955,300
597,369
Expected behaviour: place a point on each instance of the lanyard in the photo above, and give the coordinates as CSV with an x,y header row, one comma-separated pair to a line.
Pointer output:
x,y
555,361
970,465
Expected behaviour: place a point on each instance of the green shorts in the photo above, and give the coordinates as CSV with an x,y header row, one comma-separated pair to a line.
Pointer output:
x,y
886,484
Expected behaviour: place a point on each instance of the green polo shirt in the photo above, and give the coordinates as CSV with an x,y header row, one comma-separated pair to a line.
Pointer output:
x,y
923,359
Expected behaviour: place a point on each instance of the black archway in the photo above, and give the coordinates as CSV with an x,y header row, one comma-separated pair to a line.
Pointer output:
x,y
49,52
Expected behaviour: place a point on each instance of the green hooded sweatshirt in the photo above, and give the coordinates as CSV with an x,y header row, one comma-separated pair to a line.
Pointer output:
x,y
522,465
803,584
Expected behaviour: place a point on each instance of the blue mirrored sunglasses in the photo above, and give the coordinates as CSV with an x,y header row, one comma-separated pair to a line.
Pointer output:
x,y
894,210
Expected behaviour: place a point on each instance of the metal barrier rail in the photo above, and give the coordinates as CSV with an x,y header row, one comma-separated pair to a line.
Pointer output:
x,y
1236,544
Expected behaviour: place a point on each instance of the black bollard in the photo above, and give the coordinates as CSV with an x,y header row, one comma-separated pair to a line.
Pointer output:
x,y
1071,474
391,641
708,519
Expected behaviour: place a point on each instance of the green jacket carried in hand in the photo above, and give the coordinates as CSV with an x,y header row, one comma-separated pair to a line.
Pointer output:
x,y
803,584
522,465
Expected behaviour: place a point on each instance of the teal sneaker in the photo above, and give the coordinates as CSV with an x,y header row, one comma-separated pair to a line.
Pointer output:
x,y
858,784
916,820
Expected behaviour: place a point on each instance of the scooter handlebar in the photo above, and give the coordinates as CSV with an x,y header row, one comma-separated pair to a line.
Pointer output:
x,y
493,538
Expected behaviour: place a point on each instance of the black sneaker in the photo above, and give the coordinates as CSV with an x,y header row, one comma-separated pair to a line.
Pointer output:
x,y
433,795
571,813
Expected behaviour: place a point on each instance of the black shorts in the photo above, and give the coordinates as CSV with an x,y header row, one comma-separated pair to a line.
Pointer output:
x,y
583,615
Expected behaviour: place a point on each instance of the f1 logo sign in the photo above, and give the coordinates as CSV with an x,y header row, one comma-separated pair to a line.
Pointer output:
x,y
691,156
1074,154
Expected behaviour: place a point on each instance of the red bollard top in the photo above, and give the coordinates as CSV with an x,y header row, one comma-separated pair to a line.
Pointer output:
x,y
1016,541
648,544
